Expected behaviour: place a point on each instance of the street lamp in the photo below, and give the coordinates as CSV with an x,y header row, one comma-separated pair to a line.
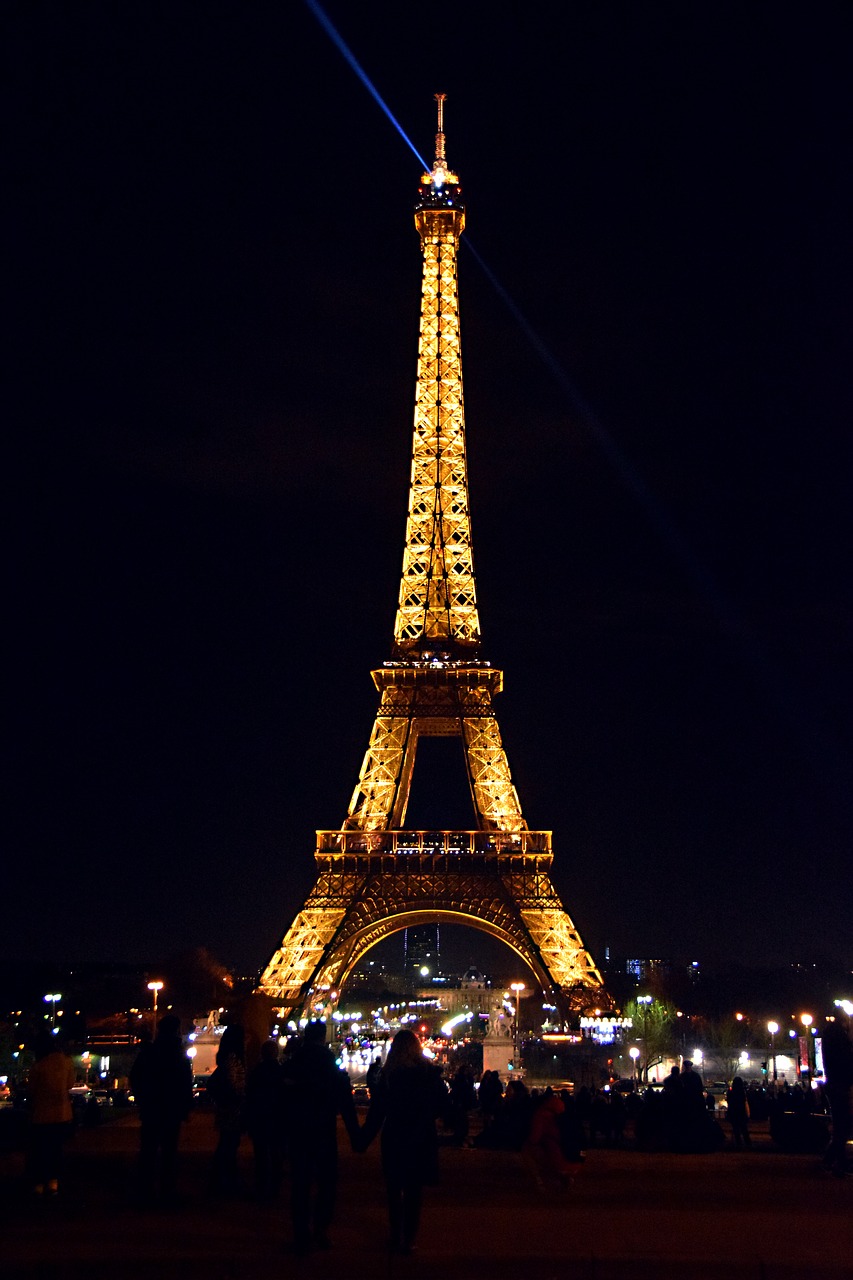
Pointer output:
x,y
806,1019
633,1054
53,998
517,987
155,988
773,1027
645,1001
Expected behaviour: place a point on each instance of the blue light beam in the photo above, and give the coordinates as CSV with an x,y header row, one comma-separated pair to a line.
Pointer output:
x,y
343,48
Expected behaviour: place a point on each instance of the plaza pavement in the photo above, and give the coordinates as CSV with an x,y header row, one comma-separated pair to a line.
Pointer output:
x,y
760,1215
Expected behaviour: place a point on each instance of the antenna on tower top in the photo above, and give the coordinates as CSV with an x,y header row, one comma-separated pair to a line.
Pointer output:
x,y
439,137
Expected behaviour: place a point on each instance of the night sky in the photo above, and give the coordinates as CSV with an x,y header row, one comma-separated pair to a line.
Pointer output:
x,y
212,283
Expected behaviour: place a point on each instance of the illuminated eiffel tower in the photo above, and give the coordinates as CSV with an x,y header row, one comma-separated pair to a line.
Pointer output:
x,y
375,876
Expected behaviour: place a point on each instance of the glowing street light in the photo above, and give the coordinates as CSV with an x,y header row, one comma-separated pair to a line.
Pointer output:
x,y
155,988
53,998
633,1054
773,1027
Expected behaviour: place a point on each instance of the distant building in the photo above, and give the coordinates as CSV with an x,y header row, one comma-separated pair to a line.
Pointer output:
x,y
421,953
647,969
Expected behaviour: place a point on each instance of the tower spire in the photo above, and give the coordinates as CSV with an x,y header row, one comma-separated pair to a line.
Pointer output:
x,y
439,137
437,611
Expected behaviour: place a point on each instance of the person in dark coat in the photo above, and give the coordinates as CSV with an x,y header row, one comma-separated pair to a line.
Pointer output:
x,y
490,1097
409,1096
318,1092
50,1080
571,1130
162,1082
265,1120
227,1086
737,1113
838,1065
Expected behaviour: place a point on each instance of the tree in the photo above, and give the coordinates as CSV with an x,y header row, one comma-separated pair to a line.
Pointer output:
x,y
724,1041
654,1026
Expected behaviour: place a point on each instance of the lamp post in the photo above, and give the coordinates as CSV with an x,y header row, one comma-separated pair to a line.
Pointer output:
x,y
773,1027
53,998
517,988
155,988
645,1001
806,1019
633,1054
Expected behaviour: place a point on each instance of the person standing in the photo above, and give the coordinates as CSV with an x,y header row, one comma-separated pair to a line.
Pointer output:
x,y
409,1096
737,1113
162,1082
838,1065
227,1086
544,1144
490,1097
318,1092
265,1120
50,1080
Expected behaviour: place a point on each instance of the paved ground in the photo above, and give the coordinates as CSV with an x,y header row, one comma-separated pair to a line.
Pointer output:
x,y
755,1216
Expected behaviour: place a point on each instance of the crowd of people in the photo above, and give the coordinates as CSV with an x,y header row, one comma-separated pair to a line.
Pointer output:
x,y
289,1103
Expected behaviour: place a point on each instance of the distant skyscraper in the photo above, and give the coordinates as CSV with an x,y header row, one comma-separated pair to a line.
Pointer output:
x,y
421,951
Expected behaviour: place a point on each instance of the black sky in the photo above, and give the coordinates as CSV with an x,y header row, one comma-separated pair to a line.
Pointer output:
x,y
213,287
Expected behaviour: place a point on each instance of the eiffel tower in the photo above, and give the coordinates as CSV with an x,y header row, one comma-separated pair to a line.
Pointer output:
x,y
375,876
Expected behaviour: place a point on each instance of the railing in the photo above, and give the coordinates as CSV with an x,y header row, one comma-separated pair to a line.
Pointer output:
x,y
450,843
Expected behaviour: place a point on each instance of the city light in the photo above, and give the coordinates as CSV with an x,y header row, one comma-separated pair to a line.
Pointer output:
x,y
155,988
53,998
773,1027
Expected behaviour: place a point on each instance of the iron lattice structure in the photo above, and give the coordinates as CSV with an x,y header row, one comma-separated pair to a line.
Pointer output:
x,y
375,877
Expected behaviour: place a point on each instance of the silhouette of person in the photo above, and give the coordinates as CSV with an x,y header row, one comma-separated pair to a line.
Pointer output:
x,y
838,1067
516,1115
318,1092
692,1093
229,1094
162,1082
599,1119
737,1111
463,1098
409,1096
50,1080
544,1142
571,1129
265,1120
490,1097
